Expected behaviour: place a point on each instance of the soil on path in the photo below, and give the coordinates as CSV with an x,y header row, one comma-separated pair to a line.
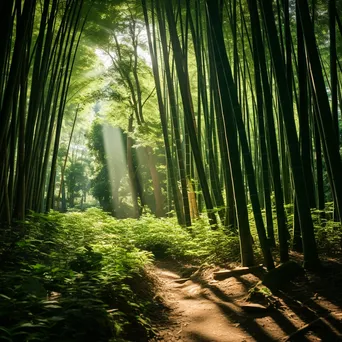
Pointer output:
x,y
201,309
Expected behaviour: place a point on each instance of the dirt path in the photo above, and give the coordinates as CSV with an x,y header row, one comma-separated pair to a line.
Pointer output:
x,y
204,310
196,316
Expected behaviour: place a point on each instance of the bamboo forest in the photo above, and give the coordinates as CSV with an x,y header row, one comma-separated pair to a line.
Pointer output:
x,y
170,170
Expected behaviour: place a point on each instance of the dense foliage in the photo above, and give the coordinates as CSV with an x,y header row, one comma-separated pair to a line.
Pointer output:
x,y
69,278
223,116
80,276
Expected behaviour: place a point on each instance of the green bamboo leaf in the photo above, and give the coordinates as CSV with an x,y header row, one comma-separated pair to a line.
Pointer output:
x,y
53,306
5,330
56,319
29,325
5,297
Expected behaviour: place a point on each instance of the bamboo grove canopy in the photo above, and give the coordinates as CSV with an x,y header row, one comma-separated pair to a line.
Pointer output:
x,y
248,95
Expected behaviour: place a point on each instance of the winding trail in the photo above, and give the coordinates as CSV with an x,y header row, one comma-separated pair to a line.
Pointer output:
x,y
197,314
202,309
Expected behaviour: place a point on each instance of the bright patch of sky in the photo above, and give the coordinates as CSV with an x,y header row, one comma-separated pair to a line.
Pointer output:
x,y
104,58
144,54
107,62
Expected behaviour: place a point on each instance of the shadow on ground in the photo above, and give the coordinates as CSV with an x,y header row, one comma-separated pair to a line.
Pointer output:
x,y
307,309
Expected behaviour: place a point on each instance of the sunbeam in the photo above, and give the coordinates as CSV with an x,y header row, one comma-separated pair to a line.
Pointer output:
x,y
117,168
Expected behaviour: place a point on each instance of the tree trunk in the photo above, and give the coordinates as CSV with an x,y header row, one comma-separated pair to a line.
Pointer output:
x,y
309,243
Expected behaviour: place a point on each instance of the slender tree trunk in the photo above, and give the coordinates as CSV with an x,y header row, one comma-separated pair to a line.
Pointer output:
x,y
309,243
326,127
232,112
66,157
188,112
304,133
172,176
131,173
175,120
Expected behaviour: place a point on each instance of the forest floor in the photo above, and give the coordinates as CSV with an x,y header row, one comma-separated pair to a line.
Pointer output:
x,y
202,309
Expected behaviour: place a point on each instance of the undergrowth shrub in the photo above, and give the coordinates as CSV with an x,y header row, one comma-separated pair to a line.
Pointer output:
x,y
166,239
67,279
328,233
80,276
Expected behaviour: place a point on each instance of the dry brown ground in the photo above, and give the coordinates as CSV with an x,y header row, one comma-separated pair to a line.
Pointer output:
x,y
201,309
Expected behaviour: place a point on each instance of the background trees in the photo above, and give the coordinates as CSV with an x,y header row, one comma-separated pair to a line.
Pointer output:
x,y
37,59
265,70
223,113
208,107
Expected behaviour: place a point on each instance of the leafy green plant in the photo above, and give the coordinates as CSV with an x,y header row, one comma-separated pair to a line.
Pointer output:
x,y
166,239
328,232
69,279
81,275
77,276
